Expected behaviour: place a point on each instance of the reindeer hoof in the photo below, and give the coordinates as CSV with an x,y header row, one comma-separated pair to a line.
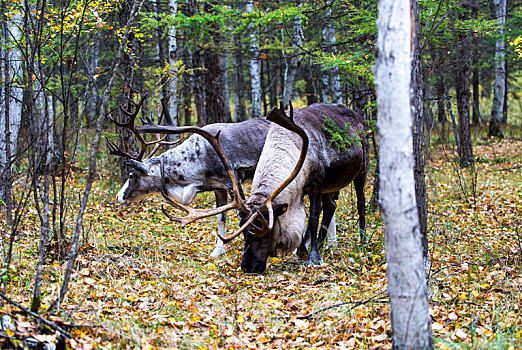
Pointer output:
x,y
217,252
314,260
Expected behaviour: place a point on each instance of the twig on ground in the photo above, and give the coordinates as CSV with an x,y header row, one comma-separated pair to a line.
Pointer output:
x,y
355,304
453,265
53,325
510,168
504,267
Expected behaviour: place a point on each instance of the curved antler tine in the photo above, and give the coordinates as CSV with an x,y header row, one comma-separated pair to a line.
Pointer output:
x,y
132,112
279,117
116,151
241,229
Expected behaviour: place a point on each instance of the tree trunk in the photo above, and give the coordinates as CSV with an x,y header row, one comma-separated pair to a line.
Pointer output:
x,y
475,71
505,108
463,97
462,73
264,79
126,140
495,122
254,67
418,139
293,60
160,47
240,80
476,95
441,111
173,61
226,90
199,93
93,97
331,78
214,106
407,287
186,86
272,87
197,66
311,94
11,101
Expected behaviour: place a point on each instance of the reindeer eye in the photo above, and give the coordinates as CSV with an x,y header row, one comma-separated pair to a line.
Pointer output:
x,y
167,180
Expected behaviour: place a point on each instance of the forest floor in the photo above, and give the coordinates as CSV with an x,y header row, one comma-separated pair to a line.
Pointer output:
x,y
142,281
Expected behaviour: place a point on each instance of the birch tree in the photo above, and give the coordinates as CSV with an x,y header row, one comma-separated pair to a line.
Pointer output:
x,y
495,123
407,289
292,60
239,91
331,78
173,63
255,66
10,99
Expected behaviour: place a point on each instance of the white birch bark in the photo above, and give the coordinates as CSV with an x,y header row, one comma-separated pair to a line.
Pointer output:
x,y
255,67
332,78
11,101
409,310
292,61
500,71
173,59
226,89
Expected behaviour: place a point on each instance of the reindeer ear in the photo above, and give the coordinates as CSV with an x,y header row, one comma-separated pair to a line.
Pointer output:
x,y
140,167
280,209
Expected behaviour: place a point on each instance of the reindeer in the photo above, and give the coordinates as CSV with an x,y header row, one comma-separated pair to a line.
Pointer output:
x,y
193,166
273,218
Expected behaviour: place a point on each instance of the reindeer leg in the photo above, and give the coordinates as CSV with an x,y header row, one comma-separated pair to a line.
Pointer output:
x,y
302,250
358,183
221,199
313,223
329,207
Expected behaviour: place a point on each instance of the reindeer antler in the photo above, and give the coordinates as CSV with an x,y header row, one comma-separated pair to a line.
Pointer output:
x,y
131,112
195,214
278,116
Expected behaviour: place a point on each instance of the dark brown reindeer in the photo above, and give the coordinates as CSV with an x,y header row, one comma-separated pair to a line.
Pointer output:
x,y
273,218
193,166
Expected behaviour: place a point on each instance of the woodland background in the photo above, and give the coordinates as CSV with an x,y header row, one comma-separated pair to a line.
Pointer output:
x,y
110,277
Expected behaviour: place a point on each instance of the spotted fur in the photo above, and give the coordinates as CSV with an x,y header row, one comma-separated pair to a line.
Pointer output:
x,y
194,167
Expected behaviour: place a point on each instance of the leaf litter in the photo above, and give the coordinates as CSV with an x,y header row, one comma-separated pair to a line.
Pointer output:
x,y
144,282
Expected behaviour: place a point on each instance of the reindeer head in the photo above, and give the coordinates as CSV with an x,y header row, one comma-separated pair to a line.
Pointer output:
x,y
261,222
142,178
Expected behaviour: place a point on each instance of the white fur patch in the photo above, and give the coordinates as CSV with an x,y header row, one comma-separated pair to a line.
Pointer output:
x,y
183,194
289,228
121,192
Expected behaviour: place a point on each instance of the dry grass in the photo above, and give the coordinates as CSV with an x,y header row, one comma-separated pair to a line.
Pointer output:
x,y
142,281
